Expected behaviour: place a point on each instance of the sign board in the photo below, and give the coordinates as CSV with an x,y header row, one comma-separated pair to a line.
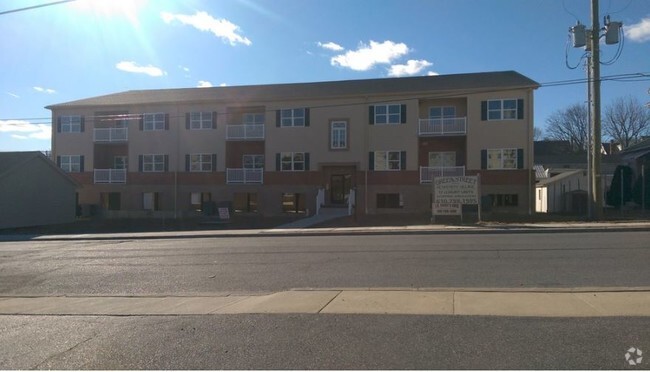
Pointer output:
x,y
446,209
456,190
224,213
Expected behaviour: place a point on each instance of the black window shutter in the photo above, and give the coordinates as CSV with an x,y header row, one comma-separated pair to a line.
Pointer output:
x,y
278,165
484,115
166,121
166,157
58,161
371,115
402,160
306,161
140,163
82,124
81,163
214,120
58,124
141,122
277,118
520,109
371,161
520,158
402,114
214,162
187,162
484,159
307,117
187,120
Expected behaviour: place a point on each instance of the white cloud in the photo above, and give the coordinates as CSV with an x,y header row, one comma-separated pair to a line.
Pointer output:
x,y
331,46
204,84
412,67
26,129
223,85
367,56
130,66
221,28
639,32
432,73
186,69
13,94
44,90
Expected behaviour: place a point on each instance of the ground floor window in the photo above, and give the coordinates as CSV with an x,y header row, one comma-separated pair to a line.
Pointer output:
x,y
504,200
245,202
197,200
293,203
389,201
151,201
110,201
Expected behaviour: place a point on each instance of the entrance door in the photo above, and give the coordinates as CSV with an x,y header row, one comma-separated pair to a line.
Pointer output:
x,y
339,188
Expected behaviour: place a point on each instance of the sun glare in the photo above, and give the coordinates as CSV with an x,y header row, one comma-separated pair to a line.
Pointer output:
x,y
111,8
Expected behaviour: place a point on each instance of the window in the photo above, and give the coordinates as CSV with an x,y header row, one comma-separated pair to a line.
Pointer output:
x,y
252,119
442,159
294,161
389,201
70,124
293,203
120,162
504,200
502,109
253,161
198,198
388,160
153,121
153,163
245,202
388,114
200,163
502,159
339,135
150,201
442,112
71,163
293,117
200,120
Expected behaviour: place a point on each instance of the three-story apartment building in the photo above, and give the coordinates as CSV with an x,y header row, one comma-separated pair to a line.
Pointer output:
x,y
285,148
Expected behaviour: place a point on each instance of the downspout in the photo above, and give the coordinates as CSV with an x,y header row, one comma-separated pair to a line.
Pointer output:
x,y
176,166
531,150
365,156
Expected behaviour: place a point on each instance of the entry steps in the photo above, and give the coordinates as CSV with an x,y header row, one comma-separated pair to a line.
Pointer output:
x,y
325,214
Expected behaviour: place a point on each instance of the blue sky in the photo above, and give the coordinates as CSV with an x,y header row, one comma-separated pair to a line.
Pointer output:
x,y
87,48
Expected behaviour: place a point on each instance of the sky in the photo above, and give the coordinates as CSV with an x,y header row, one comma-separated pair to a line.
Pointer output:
x,y
87,48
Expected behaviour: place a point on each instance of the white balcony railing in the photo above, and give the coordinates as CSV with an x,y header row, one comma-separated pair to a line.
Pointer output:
x,y
111,134
244,175
245,132
110,175
427,173
442,127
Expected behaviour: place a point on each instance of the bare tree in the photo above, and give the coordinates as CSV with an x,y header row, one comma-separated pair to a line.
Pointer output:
x,y
538,134
626,120
570,124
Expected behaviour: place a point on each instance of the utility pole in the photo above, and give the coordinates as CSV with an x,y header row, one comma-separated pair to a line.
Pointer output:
x,y
596,185
590,39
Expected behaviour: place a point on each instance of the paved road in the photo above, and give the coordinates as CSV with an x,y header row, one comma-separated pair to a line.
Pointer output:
x,y
199,266
319,342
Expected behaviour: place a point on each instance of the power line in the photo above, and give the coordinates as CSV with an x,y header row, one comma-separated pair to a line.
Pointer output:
x,y
35,6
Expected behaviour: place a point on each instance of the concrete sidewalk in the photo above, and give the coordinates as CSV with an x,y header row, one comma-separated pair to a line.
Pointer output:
x,y
555,303
481,228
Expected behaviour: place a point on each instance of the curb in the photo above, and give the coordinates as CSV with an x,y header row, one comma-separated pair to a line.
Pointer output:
x,y
447,230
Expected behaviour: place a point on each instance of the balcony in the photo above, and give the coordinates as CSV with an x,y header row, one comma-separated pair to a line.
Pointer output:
x,y
428,173
245,132
244,175
443,127
110,175
111,135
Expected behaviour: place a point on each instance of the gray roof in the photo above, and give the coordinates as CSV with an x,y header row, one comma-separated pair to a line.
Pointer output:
x,y
11,161
637,150
473,82
565,174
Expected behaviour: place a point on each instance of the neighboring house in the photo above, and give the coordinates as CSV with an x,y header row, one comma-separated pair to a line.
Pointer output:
x,y
274,149
564,192
34,191
637,156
